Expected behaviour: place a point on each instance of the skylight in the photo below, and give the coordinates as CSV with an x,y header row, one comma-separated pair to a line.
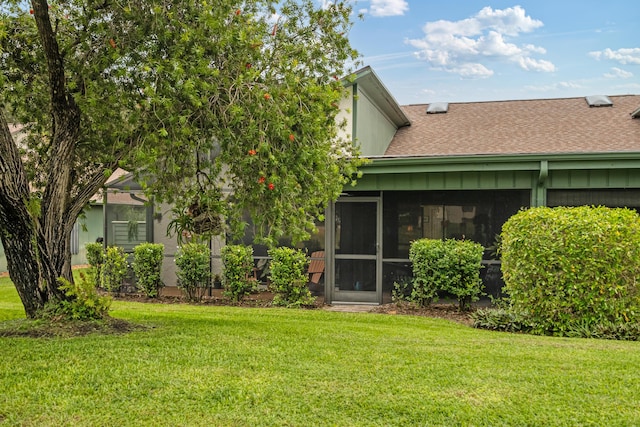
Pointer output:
x,y
599,101
438,107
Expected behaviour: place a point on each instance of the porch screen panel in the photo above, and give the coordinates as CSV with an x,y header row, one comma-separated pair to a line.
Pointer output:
x,y
618,198
470,215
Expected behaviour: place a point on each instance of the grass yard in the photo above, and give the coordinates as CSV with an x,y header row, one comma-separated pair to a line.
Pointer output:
x,y
229,366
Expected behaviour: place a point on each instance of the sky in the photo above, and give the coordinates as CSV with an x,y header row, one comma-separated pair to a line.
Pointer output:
x,y
467,50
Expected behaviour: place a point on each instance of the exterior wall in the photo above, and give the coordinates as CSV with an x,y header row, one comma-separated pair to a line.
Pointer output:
x,y
160,223
162,219
93,223
373,129
346,114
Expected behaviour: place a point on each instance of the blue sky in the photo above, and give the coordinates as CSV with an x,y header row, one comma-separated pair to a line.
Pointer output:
x,y
467,50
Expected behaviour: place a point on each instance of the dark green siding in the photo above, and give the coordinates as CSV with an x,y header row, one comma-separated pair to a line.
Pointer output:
x,y
505,180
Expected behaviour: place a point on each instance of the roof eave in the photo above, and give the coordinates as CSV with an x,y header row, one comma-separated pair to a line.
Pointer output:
x,y
368,80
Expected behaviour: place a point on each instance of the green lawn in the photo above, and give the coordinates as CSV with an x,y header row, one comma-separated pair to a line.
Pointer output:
x,y
226,366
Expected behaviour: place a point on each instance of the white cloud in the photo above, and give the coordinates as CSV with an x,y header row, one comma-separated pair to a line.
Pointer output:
x,y
554,87
382,8
460,47
469,70
623,56
617,73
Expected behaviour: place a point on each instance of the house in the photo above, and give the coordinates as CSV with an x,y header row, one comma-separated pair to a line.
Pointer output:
x,y
460,170
440,170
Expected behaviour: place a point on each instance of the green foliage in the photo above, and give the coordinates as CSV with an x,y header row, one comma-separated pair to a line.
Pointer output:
x,y
573,266
629,331
451,266
194,269
289,277
147,266
402,291
114,269
508,320
95,254
181,94
95,258
237,279
500,319
82,302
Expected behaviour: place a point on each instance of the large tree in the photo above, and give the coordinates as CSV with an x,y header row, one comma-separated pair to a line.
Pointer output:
x,y
220,107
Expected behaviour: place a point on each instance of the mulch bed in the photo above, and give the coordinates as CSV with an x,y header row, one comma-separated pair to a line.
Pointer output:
x,y
439,311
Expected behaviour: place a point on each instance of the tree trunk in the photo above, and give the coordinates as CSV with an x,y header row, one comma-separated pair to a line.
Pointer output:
x,y
17,226
36,235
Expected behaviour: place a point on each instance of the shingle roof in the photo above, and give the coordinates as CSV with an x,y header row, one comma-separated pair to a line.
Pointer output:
x,y
566,125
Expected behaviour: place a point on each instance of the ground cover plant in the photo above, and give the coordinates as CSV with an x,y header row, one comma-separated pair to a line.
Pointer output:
x,y
233,366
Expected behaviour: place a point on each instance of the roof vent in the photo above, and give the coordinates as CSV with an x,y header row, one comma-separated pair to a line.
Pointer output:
x,y
635,114
438,107
599,101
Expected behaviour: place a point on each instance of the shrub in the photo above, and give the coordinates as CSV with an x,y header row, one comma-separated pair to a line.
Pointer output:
x,y
573,266
95,258
289,277
147,266
95,254
237,261
451,266
84,303
114,269
194,269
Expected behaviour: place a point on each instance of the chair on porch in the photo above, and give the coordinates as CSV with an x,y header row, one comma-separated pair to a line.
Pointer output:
x,y
316,270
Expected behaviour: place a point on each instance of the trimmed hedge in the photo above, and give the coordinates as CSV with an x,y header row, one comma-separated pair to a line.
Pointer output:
x,y
114,269
194,269
451,266
237,273
566,268
147,266
289,277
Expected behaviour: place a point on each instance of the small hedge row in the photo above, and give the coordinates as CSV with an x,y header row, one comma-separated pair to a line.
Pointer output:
x,y
109,266
288,271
